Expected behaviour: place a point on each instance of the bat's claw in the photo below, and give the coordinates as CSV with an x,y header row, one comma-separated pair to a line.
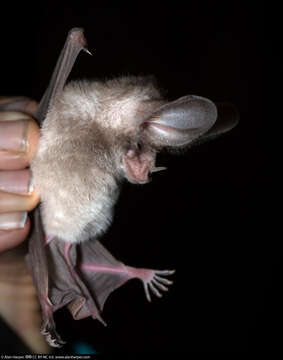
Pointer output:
x,y
51,336
57,343
87,51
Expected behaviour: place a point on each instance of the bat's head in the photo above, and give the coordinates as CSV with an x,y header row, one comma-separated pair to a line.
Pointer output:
x,y
134,121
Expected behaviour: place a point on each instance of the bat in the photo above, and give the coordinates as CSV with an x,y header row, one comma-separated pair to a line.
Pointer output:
x,y
95,135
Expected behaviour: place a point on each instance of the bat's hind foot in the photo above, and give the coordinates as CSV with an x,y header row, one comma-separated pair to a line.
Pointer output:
x,y
51,336
48,328
154,280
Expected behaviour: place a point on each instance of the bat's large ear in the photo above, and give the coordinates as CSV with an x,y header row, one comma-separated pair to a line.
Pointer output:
x,y
180,122
175,124
227,119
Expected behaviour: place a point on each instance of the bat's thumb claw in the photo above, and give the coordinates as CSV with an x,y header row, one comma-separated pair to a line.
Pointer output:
x,y
87,51
158,168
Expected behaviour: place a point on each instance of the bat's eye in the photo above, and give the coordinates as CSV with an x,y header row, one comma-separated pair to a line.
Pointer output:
x,y
139,146
136,147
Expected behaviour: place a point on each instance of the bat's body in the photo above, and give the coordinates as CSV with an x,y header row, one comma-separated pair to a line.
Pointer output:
x,y
94,135
78,167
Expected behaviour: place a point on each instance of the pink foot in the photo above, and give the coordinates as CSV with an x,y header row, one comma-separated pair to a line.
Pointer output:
x,y
151,279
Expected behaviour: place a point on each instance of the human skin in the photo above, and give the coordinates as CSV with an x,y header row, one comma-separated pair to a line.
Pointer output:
x,y
19,136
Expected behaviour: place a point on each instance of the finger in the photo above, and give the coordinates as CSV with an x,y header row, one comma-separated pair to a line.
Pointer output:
x,y
12,238
12,202
163,280
19,103
19,135
13,220
160,286
154,290
146,292
165,272
17,192
16,181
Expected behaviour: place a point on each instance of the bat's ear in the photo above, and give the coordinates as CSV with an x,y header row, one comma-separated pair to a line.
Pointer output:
x,y
180,122
227,119
174,124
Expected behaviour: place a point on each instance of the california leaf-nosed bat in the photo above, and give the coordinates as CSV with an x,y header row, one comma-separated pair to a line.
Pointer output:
x,y
93,135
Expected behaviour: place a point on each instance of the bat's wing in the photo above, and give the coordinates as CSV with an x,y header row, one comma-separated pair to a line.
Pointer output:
x,y
81,277
74,44
66,287
57,283
39,258
38,265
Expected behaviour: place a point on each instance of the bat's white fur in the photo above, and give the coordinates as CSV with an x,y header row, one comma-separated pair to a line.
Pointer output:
x,y
77,168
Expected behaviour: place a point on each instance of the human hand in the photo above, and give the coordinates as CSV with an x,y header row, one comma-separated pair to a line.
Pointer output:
x,y
19,136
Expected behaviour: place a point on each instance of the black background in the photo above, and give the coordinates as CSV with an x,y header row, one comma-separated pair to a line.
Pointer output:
x,y
208,216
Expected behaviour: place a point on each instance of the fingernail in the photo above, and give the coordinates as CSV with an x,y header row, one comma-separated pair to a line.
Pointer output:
x,y
13,135
8,100
11,221
13,202
12,115
16,182
19,103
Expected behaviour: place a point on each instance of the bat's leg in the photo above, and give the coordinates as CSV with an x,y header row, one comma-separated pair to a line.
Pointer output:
x,y
38,266
48,328
73,273
155,280
103,273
